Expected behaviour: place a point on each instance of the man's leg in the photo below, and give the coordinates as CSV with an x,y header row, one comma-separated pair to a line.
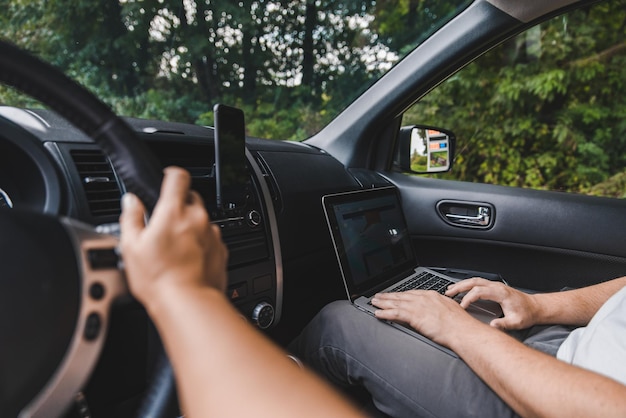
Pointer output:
x,y
406,377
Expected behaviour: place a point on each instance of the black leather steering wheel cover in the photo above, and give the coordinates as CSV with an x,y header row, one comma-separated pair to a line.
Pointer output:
x,y
44,82
133,162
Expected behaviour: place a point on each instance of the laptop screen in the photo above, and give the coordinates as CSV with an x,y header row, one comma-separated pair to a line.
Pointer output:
x,y
371,238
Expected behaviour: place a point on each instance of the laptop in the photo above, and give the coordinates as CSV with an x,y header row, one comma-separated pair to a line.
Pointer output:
x,y
375,253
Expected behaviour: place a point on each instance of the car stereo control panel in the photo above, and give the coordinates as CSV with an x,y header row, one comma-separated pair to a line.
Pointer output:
x,y
247,223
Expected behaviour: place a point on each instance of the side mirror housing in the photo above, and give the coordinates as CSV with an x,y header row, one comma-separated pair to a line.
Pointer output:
x,y
424,149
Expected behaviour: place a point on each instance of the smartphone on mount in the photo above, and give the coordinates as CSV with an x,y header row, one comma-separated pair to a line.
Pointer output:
x,y
231,174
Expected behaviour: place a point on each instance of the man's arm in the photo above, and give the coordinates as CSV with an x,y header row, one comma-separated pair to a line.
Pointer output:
x,y
226,368
532,383
578,306
176,267
522,310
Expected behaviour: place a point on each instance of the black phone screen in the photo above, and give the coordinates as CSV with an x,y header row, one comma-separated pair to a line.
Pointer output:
x,y
230,158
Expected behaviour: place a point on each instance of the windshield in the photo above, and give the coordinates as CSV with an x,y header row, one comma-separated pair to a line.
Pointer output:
x,y
290,65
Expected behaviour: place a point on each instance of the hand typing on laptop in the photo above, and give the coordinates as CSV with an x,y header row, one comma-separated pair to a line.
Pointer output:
x,y
566,357
430,313
519,308
375,254
443,318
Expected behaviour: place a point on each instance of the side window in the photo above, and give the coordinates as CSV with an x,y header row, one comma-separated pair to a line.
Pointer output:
x,y
545,110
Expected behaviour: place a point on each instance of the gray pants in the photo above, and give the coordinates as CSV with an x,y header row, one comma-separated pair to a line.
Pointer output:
x,y
404,376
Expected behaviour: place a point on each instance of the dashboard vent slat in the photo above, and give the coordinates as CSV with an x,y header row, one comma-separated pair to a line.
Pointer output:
x,y
99,182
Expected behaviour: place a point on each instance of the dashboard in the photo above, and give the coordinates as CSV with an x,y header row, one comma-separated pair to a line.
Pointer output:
x,y
281,266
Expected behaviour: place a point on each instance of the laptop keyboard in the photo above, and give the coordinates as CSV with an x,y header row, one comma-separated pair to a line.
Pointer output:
x,y
424,281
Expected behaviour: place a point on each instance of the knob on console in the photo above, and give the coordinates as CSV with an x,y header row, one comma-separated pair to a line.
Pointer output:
x,y
263,315
253,218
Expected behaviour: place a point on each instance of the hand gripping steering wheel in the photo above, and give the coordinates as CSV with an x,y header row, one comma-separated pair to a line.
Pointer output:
x,y
58,277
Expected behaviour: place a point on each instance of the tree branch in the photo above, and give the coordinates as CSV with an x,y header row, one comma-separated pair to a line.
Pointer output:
x,y
600,56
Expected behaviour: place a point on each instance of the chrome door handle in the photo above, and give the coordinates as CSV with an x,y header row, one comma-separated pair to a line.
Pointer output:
x,y
482,218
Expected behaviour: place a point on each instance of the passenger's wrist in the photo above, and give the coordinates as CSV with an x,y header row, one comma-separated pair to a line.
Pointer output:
x,y
539,311
472,334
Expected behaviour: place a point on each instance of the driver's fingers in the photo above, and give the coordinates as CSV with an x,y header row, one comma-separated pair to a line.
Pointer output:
x,y
196,209
174,192
195,199
132,220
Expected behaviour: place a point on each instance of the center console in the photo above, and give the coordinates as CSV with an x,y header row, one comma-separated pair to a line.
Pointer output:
x,y
249,229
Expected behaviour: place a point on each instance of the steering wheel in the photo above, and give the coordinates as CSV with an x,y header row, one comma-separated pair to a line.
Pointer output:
x,y
59,277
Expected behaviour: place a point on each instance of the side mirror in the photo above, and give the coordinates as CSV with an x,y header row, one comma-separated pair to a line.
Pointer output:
x,y
425,149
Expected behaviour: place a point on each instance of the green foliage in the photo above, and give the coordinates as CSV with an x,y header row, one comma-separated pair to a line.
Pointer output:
x,y
12,97
613,187
419,162
406,22
291,63
545,110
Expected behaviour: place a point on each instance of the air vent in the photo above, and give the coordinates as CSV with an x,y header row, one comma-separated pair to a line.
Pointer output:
x,y
99,182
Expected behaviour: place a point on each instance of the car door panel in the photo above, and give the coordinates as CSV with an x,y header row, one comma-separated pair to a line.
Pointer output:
x,y
537,239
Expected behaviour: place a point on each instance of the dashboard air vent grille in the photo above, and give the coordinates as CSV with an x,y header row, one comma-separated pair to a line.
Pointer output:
x,y
99,182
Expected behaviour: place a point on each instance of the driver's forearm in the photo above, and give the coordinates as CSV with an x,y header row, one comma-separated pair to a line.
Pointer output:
x,y
535,384
575,307
225,367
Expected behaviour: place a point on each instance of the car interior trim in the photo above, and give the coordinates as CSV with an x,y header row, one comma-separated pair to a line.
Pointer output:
x,y
528,10
273,226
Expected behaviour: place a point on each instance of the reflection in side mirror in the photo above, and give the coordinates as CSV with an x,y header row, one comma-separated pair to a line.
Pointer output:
x,y
425,149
